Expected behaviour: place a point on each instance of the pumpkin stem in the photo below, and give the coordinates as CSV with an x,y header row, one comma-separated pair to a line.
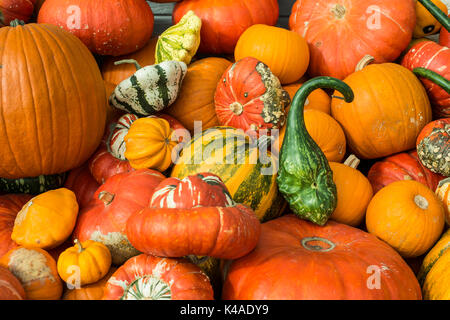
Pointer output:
x,y
307,246
440,16
78,243
16,22
434,77
364,62
106,197
237,108
352,161
339,11
421,202
137,65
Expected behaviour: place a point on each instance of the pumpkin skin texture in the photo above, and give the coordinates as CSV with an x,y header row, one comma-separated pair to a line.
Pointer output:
x,y
298,260
433,274
92,258
354,192
195,100
426,24
432,56
444,37
10,286
407,215
353,29
10,205
47,220
16,9
129,31
192,217
64,88
146,277
317,100
104,219
223,21
389,99
250,97
93,291
443,192
36,270
81,182
283,51
401,166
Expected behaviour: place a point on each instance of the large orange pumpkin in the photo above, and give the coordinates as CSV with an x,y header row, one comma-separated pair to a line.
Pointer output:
x,y
53,114
341,32
388,112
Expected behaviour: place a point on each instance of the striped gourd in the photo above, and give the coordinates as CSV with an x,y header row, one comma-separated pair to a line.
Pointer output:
x,y
230,154
150,89
35,185
116,142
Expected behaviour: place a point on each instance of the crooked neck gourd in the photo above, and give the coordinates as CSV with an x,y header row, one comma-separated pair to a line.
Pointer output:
x,y
305,178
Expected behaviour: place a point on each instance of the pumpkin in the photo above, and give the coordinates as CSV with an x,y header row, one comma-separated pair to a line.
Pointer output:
x,y
325,131
195,102
93,291
298,260
285,52
354,192
181,41
433,146
443,192
106,27
426,23
35,185
401,166
432,56
149,144
10,286
146,277
36,271
15,9
250,97
10,205
81,182
433,274
85,263
223,21
444,37
47,220
194,216
388,112
407,215
56,110
104,219
249,175
317,100
305,179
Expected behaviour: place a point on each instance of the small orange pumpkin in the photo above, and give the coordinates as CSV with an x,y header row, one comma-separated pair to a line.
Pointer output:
x,y
93,291
407,215
318,99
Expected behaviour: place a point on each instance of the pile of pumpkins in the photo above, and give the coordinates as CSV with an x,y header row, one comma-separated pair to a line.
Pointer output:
x,y
235,161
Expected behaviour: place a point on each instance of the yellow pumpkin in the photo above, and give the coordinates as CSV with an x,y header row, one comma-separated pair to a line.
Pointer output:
x,y
84,263
426,24
149,144
354,192
47,220
443,193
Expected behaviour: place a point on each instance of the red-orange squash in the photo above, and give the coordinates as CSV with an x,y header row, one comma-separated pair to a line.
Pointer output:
x,y
443,193
16,9
10,286
81,182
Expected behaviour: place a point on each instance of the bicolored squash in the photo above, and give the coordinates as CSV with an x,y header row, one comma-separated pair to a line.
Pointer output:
x,y
34,185
116,142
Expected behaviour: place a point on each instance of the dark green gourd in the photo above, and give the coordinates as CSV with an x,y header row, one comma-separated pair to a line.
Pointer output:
x,y
305,178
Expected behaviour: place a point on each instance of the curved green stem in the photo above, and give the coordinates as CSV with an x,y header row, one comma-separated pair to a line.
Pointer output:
x,y
138,66
437,13
433,76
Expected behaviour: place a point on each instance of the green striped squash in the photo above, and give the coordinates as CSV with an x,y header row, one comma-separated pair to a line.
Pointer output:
x,y
229,153
35,185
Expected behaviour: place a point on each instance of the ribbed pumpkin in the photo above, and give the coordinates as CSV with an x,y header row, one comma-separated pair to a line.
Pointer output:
x,y
10,286
81,182
249,179
93,291
443,192
298,260
407,215
250,97
16,9
318,99
195,100
285,52
388,112
106,27
354,192
401,166
432,56
36,271
434,275
223,21
53,115
341,32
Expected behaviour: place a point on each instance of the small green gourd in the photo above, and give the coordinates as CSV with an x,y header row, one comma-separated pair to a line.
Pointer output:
x,y
305,178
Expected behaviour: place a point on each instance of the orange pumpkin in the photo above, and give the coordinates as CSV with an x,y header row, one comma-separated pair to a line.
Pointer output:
x,y
10,286
36,270
195,100
407,215
389,110
443,192
354,192
318,99
53,114
285,52
93,291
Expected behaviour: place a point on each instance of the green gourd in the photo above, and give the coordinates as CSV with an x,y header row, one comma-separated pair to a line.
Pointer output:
x,y
305,178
